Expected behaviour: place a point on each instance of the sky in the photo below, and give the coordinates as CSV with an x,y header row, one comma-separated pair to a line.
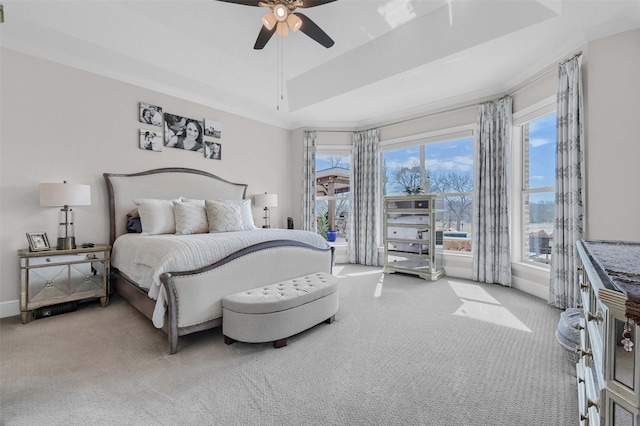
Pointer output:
x,y
440,157
542,151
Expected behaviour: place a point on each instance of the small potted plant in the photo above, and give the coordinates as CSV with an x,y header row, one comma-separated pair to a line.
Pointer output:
x,y
412,190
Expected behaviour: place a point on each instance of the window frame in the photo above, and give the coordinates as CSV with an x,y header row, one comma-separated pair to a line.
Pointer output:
x,y
421,140
341,150
520,120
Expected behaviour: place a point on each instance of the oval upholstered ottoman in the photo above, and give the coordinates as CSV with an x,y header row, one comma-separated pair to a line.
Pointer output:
x,y
277,311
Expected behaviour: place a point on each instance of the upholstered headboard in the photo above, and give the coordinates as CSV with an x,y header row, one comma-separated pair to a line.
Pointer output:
x,y
168,184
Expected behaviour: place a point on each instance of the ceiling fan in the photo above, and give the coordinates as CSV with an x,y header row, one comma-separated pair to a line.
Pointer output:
x,y
281,18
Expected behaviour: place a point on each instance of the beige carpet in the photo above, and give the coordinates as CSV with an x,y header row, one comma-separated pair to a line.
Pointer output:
x,y
401,351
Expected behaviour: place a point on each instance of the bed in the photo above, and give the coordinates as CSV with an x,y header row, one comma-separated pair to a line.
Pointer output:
x,y
178,279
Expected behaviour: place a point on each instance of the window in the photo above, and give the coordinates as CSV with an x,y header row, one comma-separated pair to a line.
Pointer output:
x,y
332,196
445,168
538,187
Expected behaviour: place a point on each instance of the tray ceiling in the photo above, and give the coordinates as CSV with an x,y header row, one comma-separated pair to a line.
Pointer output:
x,y
391,58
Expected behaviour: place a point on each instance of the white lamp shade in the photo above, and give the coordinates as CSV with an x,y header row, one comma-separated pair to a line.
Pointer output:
x,y
266,200
64,194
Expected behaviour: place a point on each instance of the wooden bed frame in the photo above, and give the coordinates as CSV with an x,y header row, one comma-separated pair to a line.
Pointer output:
x,y
194,297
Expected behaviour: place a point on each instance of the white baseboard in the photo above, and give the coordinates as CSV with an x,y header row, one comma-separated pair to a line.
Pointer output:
x,y
530,287
9,309
340,253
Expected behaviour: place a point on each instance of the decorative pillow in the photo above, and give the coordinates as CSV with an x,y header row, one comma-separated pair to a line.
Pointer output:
x,y
133,222
156,216
191,217
134,225
245,213
223,217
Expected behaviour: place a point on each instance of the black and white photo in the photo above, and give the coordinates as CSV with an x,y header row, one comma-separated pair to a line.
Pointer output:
x,y
38,241
212,128
151,140
213,150
150,114
183,133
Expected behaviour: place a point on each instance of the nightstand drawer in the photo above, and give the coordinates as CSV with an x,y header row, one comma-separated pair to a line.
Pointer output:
x,y
65,258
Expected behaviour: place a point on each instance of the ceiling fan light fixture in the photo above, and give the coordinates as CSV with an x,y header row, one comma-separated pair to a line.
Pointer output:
x,y
282,29
294,22
269,21
280,12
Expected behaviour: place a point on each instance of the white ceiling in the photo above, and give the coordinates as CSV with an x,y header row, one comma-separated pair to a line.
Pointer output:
x,y
445,54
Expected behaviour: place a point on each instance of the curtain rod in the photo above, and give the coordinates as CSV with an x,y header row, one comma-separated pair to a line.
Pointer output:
x,y
508,93
542,74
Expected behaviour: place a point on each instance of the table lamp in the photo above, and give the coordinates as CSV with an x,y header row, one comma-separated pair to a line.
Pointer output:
x,y
266,200
65,195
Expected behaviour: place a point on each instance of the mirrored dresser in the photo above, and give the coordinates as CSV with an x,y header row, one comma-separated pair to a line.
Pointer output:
x,y
411,243
608,370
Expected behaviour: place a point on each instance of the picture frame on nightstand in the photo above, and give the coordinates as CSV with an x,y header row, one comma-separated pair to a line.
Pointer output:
x,y
38,241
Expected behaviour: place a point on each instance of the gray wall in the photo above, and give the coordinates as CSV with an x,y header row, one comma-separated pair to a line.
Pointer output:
x,y
60,123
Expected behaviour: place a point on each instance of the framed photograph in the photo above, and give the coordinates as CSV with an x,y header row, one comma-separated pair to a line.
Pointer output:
x,y
213,150
151,140
183,133
212,128
150,114
38,241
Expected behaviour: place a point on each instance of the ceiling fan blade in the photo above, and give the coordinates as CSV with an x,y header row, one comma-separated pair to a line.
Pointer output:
x,y
313,3
311,29
264,37
243,2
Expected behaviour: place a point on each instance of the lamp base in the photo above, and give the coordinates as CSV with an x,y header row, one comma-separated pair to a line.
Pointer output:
x,y
66,243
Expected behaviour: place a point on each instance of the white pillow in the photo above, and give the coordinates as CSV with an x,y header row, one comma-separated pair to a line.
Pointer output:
x,y
156,216
223,217
191,217
245,212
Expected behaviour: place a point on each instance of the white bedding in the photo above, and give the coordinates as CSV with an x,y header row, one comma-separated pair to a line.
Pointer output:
x,y
143,258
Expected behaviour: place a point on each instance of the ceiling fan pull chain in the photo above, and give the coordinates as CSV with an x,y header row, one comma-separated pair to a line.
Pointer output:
x,y
282,72
278,73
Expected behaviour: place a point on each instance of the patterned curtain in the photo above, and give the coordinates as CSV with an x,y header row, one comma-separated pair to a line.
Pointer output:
x,y
569,225
491,239
365,198
308,217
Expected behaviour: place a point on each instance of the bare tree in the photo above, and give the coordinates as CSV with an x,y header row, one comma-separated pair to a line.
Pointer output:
x,y
338,161
407,178
458,206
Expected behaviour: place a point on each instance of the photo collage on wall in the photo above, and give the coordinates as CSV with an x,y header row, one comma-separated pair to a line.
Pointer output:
x,y
179,132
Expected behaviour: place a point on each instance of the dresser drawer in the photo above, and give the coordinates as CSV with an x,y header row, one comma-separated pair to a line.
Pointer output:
x,y
409,204
407,233
403,247
408,219
408,262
